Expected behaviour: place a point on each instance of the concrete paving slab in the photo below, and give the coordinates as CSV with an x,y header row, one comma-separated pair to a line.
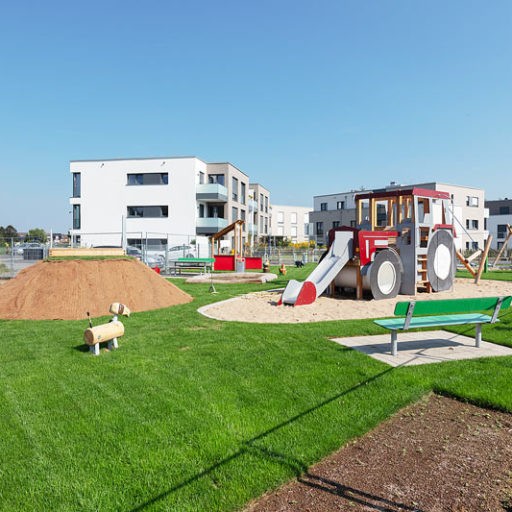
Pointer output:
x,y
422,347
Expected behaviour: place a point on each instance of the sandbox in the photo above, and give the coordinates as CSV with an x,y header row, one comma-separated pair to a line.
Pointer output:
x,y
261,307
233,277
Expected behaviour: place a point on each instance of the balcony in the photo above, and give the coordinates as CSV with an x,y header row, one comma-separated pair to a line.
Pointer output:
x,y
211,193
210,225
252,229
253,205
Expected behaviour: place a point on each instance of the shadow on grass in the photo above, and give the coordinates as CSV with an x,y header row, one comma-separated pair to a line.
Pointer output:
x,y
250,447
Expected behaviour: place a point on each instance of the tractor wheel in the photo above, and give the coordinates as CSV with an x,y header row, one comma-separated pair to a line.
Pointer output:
x,y
386,274
441,260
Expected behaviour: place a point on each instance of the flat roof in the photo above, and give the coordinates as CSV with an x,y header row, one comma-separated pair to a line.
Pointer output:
x,y
136,158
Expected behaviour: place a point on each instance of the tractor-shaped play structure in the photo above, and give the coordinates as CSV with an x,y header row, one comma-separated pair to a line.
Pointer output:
x,y
404,242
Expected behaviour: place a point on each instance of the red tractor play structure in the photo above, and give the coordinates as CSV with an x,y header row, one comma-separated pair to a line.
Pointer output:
x,y
403,242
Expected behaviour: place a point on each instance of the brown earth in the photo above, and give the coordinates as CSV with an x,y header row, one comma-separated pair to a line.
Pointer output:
x,y
67,290
438,455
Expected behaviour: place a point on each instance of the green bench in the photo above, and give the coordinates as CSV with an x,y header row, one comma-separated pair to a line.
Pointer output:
x,y
439,313
204,265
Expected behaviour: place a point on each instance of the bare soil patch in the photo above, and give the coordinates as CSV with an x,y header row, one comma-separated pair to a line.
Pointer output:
x,y
438,455
66,290
262,307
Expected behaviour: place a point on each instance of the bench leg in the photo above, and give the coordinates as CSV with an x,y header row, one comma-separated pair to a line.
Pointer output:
x,y
393,343
478,335
95,349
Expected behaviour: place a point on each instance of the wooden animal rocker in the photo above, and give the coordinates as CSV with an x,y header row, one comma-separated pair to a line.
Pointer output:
x,y
109,333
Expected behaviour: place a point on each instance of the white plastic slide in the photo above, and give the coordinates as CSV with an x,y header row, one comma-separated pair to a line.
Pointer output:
x,y
341,250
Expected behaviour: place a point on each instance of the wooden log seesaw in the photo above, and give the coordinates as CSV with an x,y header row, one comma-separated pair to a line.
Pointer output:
x,y
109,333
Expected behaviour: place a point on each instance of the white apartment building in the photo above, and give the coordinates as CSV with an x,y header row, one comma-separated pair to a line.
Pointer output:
x,y
158,201
500,217
469,212
259,223
290,223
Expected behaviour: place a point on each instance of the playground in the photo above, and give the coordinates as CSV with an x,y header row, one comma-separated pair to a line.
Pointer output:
x,y
211,414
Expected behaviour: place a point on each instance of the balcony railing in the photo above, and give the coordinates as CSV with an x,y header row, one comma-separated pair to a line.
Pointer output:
x,y
211,192
209,225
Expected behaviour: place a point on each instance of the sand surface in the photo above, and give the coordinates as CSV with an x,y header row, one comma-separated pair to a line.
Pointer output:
x,y
67,290
261,307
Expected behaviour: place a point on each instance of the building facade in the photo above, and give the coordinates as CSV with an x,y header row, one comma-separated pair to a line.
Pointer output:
x,y
500,217
290,223
163,201
332,211
259,224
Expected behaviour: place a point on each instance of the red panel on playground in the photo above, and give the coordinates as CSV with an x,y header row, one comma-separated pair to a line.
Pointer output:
x,y
227,262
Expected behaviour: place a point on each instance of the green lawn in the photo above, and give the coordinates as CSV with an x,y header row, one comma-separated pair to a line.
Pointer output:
x,y
193,414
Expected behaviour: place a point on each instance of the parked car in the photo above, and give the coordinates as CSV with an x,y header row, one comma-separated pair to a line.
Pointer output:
x,y
18,249
181,251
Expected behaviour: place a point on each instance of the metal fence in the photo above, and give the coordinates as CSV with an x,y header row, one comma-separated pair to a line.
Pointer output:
x,y
17,254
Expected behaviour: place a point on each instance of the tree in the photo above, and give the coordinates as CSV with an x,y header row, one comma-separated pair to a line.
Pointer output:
x,y
36,234
8,232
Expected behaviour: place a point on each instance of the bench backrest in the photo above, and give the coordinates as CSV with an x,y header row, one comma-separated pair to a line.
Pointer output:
x,y
448,306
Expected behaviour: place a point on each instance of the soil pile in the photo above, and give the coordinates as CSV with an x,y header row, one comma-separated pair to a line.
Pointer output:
x,y
67,290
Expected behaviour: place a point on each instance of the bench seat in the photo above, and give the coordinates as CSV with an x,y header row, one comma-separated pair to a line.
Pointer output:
x,y
434,321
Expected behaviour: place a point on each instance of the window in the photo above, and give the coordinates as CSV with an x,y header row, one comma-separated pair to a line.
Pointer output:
x,y
266,226
294,232
76,216
266,204
216,178
352,223
319,228
340,205
504,210
471,201
261,224
323,207
201,177
200,211
76,184
280,230
335,223
502,230
471,224
147,211
474,246
234,187
500,245
150,244
242,215
280,217
262,205
148,178
234,214
242,193
293,218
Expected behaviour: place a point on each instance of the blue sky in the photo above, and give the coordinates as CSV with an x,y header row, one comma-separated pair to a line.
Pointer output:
x,y
307,98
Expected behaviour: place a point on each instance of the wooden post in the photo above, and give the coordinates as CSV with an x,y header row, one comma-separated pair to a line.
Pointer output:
x,y
484,257
465,262
504,246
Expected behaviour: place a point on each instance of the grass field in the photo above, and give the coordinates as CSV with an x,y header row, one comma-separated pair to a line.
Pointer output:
x,y
193,414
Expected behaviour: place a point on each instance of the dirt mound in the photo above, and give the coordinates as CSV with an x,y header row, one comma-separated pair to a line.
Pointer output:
x,y
66,290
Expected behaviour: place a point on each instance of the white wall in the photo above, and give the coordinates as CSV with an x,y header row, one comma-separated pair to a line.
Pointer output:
x,y
105,196
492,227
281,222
